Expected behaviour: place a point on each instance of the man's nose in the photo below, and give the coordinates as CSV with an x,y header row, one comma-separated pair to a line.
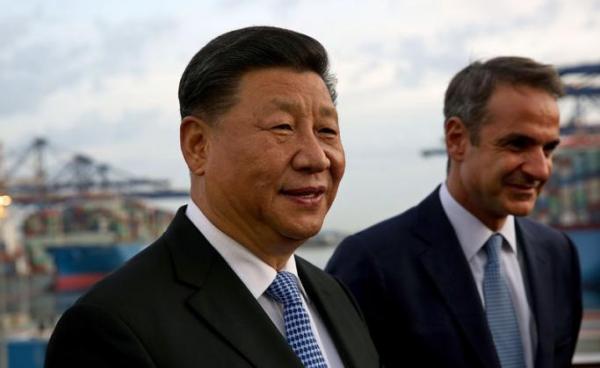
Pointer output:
x,y
538,164
310,155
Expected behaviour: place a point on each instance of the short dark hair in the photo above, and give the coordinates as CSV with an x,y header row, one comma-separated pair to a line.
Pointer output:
x,y
469,91
209,83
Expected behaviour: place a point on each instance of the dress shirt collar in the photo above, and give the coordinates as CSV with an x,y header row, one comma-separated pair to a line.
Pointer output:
x,y
254,273
472,233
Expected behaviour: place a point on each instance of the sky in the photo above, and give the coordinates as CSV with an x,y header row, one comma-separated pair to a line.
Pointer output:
x,y
101,78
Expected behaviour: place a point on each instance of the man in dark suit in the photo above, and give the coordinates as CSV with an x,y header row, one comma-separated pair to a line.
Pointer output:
x,y
221,287
462,279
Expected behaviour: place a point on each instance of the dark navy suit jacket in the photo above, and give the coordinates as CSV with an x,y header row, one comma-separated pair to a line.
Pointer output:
x,y
414,285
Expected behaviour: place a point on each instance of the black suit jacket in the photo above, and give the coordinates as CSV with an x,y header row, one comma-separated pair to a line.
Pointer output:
x,y
415,288
178,304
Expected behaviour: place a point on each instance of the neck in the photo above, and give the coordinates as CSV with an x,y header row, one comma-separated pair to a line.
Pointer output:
x,y
272,249
460,195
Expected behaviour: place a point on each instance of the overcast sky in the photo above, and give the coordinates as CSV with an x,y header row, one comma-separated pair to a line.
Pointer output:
x,y
101,77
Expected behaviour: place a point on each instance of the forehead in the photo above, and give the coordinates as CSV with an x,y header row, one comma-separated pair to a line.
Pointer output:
x,y
522,109
284,88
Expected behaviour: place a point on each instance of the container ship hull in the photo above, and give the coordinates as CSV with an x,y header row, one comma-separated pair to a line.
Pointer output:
x,y
570,201
82,241
80,266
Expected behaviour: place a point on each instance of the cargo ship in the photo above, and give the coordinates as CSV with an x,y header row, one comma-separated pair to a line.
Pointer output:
x,y
570,200
72,220
82,240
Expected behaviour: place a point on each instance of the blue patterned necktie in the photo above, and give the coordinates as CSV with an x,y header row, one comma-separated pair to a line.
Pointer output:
x,y
284,290
499,309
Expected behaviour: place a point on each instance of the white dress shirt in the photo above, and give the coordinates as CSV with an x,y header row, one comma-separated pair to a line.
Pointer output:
x,y
257,276
472,234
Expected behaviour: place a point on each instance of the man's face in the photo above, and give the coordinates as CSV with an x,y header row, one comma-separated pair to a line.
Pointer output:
x,y
504,173
275,159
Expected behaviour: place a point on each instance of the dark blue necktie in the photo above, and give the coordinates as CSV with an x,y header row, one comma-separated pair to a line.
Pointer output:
x,y
499,309
298,332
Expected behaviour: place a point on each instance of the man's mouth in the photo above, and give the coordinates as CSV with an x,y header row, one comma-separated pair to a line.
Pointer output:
x,y
522,183
524,186
526,189
305,195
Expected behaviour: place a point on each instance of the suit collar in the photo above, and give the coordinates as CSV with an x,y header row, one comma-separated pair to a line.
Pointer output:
x,y
220,300
445,262
470,231
254,272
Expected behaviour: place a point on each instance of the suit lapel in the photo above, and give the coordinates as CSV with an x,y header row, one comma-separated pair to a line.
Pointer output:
x,y
343,323
222,301
449,270
540,280
234,314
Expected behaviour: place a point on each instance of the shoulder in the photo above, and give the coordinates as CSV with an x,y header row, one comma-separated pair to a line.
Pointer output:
x,y
136,286
151,273
391,226
378,238
387,238
361,260
89,336
107,318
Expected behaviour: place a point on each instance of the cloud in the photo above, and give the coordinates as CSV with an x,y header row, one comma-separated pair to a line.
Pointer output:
x,y
48,56
442,37
102,80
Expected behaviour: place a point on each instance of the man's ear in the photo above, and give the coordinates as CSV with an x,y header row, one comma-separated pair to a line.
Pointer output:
x,y
456,137
194,136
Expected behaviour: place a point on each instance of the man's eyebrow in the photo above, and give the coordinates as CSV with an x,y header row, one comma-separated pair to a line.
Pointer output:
x,y
525,139
513,137
284,105
292,107
328,112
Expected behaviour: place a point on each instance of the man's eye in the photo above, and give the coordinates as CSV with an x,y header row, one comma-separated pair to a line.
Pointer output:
x,y
519,144
548,151
328,131
516,146
550,148
283,126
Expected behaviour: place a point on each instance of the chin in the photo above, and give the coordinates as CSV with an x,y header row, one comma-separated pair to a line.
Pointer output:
x,y
521,209
302,233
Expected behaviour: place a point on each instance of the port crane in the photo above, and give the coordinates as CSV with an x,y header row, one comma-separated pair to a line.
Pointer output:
x,y
582,85
42,173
